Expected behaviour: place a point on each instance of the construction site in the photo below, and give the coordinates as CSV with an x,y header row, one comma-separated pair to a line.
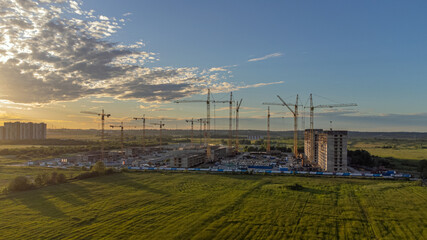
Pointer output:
x,y
322,151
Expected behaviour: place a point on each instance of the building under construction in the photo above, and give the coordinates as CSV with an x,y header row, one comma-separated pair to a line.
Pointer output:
x,y
311,150
330,149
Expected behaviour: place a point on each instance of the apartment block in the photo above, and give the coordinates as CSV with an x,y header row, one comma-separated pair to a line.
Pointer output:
x,y
312,151
332,151
22,131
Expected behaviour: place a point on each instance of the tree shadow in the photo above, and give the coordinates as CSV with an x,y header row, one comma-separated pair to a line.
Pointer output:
x,y
315,191
126,181
36,200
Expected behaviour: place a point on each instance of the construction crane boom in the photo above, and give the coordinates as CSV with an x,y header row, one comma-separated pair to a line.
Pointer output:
x,y
336,105
312,107
208,116
208,102
295,113
103,115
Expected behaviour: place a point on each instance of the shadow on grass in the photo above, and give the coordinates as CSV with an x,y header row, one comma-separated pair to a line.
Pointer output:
x,y
37,201
122,179
74,194
315,191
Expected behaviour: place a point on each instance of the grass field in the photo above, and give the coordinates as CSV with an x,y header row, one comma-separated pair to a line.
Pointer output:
x,y
209,206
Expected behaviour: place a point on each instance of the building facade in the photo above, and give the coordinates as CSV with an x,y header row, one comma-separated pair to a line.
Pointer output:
x,y
188,161
23,131
312,151
332,151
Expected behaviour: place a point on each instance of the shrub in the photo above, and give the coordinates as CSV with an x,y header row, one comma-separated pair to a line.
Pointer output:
x,y
295,187
20,183
61,178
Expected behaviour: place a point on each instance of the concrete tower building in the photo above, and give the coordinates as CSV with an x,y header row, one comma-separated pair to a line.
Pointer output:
x,y
308,150
332,151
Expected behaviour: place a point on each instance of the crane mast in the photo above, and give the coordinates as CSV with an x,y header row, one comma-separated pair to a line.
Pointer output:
x,y
143,130
237,124
268,130
192,128
312,135
161,125
103,115
121,136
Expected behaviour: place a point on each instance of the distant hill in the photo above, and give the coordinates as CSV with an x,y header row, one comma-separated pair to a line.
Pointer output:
x,y
63,133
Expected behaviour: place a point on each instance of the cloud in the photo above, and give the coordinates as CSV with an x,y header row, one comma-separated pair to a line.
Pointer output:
x,y
127,14
54,51
265,57
217,69
103,18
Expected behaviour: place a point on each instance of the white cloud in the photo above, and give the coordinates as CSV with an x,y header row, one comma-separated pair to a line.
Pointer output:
x,y
104,18
58,52
217,69
127,14
265,57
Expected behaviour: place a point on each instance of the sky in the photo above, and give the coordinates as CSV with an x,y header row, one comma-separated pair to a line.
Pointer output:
x,y
135,58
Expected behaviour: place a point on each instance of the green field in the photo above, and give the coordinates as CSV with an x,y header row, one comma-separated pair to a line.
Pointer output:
x,y
209,206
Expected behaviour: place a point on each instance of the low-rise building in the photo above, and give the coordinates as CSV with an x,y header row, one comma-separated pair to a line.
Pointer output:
x,y
187,160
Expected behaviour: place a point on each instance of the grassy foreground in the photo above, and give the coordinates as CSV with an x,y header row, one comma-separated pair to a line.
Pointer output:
x,y
209,206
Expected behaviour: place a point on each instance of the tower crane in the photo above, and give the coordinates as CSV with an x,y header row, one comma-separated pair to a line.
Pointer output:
x,y
121,136
312,107
208,102
192,128
295,114
208,117
268,130
143,130
237,124
103,115
161,125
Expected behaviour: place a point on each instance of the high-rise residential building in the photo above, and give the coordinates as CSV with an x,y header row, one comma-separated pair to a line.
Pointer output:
x,y
1,132
308,150
332,151
23,131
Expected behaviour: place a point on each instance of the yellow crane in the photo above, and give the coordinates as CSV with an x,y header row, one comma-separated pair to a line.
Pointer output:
x,y
237,124
161,125
208,102
312,107
143,130
208,117
103,115
121,136
295,114
268,130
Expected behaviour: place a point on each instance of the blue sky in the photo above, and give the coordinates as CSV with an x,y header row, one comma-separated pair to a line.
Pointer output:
x,y
372,53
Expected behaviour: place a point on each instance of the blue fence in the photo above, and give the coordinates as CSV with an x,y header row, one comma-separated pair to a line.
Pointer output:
x,y
280,171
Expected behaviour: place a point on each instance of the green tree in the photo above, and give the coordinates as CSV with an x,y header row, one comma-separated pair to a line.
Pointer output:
x,y
99,167
20,183
422,168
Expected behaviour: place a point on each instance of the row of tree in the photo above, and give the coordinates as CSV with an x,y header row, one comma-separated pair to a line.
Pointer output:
x,y
23,183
